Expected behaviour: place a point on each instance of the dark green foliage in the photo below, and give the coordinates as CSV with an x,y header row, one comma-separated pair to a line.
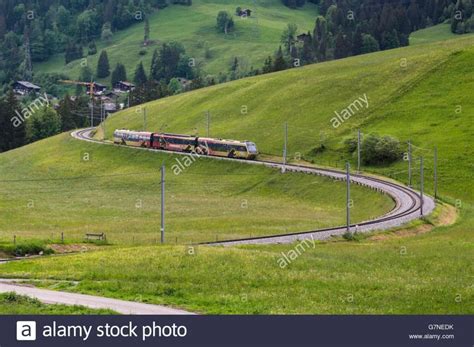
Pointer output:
x,y
225,23
42,124
92,49
26,248
279,63
103,67
65,111
119,74
140,75
376,150
12,133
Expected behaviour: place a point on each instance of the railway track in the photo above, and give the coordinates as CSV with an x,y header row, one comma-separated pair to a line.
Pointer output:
x,y
408,202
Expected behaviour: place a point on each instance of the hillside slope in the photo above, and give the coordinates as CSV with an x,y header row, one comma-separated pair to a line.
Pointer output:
x,y
308,97
253,40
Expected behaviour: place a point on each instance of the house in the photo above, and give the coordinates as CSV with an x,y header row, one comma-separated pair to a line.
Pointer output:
x,y
25,87
245,12
98,88
123,86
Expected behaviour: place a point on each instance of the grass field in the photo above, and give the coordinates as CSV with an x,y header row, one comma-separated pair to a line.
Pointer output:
x,y
253,40
14,304
47,189
424,98
440,32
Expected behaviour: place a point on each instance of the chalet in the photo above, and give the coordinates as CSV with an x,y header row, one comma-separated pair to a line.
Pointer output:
x,y
25,87
245,12
99,88
123,86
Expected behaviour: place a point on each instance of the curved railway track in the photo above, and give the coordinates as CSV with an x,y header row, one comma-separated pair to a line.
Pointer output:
x,y
408,202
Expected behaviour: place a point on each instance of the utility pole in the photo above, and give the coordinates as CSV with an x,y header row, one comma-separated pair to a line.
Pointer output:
x,y
421,185
285,148
144,119
208,114
348,197
92,103
358,150
92,112
102,117
436,172
163,203
128,100
409,165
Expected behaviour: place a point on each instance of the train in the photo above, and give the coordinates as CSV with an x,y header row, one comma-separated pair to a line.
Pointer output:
x,y
187,143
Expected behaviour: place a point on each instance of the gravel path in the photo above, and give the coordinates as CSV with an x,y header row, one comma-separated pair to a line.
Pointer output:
x,y
96,302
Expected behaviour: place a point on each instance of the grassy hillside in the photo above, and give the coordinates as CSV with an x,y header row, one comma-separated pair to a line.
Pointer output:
x,y
419,271
307,98
47,189
253,40
440,32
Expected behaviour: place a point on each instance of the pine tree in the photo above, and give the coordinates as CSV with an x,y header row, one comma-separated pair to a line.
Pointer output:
x,y
119,74
280,63
103,67
65,112
28,73
268,65
155,66
140,76
16,133
146,37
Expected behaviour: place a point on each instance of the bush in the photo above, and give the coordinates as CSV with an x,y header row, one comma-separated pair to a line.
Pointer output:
x,y
350,144
377,150
24,248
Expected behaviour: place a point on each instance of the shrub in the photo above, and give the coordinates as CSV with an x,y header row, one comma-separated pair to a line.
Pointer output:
x,y
350,144
377,150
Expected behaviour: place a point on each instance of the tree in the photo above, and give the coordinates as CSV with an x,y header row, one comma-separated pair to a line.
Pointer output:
x,y
140,76
155,66
119,74
268,65
42,124
288,38
225,23
174,86
146,37
106,32
92,48
369,44
343,46
65,114
377,150
320,38
280,63
103,67
86,74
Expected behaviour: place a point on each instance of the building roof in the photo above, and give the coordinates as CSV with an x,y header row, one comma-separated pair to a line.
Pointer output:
x,y
128,84
27,84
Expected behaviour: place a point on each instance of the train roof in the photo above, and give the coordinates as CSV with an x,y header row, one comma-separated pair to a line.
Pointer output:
x,y
210,139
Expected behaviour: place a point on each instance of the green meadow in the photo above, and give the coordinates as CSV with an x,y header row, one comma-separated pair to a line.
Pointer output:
x,y
48,188
253,40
